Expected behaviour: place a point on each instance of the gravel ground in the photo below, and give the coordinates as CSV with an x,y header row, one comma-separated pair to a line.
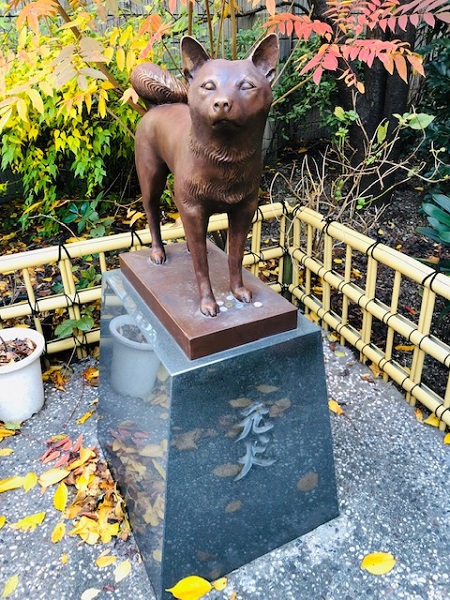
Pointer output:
x,y
392,474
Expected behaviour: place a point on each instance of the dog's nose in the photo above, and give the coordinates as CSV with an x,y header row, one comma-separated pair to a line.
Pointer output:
x,y
222,105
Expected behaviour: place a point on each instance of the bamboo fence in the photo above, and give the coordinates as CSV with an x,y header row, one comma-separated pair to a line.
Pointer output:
x,y
318,264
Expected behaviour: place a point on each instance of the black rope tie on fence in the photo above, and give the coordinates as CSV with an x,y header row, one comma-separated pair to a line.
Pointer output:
x,y
257,257
432,276
33,309
378,240
260,214
134,234
383,362
445,409
411,391
389,317
342,285
61,249
364,347
328,221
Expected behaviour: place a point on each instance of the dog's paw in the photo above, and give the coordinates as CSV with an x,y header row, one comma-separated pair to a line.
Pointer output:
x,y
209,307
242,294
158,257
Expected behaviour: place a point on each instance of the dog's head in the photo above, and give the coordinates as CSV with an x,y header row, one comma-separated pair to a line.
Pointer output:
x,y
230,95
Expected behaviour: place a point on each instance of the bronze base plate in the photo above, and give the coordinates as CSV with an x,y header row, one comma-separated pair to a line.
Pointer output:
x,y
170,291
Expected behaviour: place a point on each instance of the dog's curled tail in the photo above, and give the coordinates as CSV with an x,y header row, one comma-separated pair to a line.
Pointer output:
x,y
157,86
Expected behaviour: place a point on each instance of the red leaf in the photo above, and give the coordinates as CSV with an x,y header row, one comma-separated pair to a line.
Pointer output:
x,y
62,461
444,16
317,75
77,444
400,65
429,19
52,456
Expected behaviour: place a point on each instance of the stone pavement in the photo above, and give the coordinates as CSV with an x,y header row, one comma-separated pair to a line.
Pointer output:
x,y
393,484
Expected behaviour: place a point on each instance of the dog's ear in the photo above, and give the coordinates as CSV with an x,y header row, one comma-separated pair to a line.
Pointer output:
x,y
193,56
265,56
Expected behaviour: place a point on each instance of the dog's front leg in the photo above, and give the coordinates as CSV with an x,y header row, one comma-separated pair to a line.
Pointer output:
x,y
195,225
240,220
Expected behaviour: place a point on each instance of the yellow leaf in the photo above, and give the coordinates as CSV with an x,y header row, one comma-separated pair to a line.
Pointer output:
x,y
419,415
58,532
30,522
52,476
2,520
335,407
190,588
60,497
90,594
64,559
159,468
403,348
432,420
10,586
11,483
85,417
376,371
105,561
122,570
378,563
36,100
447,438
220,584
6,451
29,481
85,455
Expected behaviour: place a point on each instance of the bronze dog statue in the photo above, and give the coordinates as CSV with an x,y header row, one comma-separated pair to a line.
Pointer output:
x,y
210,137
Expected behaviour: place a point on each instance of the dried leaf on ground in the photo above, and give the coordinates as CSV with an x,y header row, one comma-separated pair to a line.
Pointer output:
x,y
58,532
220,584
122,571
6,451
378,563
11,483
2,520
91,376
447,438
85,417
432,420
10,586
419,415
90,594
52,476
105,561
190,588
30,522
60,497
335,407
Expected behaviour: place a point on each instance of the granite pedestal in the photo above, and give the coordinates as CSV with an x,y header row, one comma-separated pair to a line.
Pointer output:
x,y
222,458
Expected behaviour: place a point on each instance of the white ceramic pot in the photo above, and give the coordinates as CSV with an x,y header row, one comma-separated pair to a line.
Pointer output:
x,y
134,364
21,385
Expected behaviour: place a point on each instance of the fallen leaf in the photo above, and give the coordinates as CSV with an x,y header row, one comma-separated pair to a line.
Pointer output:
x,y
10,586
376,371
240,402
233,506
335,407
60,497
419,415
378,563
91,376
227,470
52,476
30,522
6,451
447,438
2,520
233,596
58,532
105,561
432,420
11,483
220,584
122,571
90,594
403,348
85,417
266,389
339,353
308,482
367,377
64,559
190,588
29,481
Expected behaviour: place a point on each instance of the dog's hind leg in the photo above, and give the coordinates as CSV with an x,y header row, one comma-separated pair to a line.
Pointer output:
x,y
152,179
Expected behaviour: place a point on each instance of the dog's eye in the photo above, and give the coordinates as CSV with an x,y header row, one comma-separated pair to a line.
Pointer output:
x,y
247,85
209,85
